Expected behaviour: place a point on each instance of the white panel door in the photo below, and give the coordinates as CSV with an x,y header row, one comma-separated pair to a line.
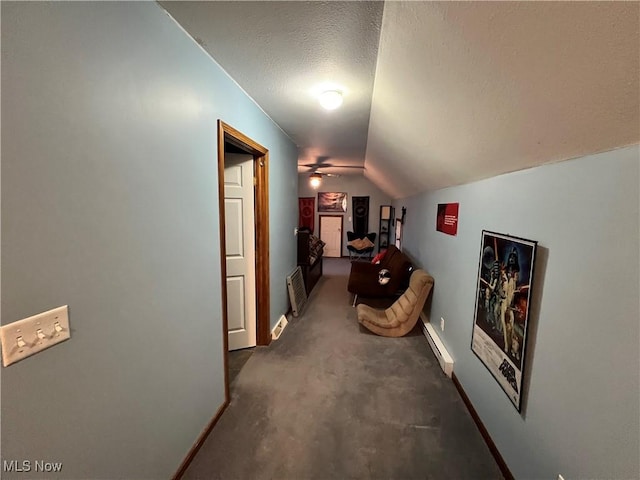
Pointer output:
x,y
331,234
240,246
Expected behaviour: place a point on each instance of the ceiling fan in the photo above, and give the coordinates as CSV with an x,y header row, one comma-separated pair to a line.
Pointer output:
x,y
314,168
316,175
315,171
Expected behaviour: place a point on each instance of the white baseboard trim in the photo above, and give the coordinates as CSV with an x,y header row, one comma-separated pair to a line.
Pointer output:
x,y
439,350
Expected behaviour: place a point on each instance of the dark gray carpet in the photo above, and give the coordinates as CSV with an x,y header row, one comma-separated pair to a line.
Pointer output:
x,y
328,400
237,360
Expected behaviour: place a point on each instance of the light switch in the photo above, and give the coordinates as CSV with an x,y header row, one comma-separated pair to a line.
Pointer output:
x,y
31,335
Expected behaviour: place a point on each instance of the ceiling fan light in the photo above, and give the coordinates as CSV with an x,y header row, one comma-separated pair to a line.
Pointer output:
x,y
330,99
314,180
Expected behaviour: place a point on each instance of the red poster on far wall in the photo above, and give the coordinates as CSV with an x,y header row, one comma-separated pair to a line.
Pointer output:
x,y
306,210
447,218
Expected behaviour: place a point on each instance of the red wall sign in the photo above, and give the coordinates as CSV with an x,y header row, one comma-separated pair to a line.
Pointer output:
x,y
306,212
447,218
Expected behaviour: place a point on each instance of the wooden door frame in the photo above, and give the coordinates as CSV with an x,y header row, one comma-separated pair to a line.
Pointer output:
x,y
227,133
341,229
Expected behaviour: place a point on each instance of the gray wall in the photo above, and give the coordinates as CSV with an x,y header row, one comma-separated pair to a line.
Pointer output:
x,y
110,205
581,412
353,185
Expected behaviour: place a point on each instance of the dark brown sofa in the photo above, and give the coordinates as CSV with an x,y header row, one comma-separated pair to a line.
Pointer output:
x,y
363,279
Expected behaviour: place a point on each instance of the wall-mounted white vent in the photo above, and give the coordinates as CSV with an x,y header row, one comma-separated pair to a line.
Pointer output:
x,y
441,353
280,326
297,292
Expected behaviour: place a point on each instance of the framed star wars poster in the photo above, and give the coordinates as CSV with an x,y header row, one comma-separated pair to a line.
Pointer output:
x,y
503,297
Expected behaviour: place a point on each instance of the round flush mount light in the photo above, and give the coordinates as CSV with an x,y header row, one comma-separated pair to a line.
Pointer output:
x,y
315,179
330,99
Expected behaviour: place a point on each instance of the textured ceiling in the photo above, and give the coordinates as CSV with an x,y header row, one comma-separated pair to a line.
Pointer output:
x,y
474,89
463,90
280,52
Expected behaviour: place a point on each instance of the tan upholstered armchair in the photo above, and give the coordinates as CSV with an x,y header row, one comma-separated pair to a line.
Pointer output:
x,y
400,318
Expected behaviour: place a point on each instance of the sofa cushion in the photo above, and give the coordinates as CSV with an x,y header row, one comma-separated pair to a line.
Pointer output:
x,y
394,258
361,243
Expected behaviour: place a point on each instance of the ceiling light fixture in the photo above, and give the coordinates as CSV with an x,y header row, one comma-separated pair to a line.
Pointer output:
x,y
330,99
314,180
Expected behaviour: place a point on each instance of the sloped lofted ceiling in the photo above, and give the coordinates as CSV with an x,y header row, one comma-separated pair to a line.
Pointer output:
x,y
282,53
437,93
469,90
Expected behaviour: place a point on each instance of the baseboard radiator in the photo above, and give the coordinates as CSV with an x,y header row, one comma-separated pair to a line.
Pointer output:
x,y
297,292
442,355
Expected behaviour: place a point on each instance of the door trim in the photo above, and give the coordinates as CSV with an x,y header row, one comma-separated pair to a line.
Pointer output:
x,y
320,217
227,133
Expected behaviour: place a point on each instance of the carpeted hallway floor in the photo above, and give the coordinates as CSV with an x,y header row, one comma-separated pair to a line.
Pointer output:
x,y
329,400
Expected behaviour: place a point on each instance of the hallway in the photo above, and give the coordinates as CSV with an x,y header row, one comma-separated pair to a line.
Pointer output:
x,y
329,400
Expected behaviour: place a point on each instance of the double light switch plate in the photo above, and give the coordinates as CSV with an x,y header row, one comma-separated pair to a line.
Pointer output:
x,y
26,337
